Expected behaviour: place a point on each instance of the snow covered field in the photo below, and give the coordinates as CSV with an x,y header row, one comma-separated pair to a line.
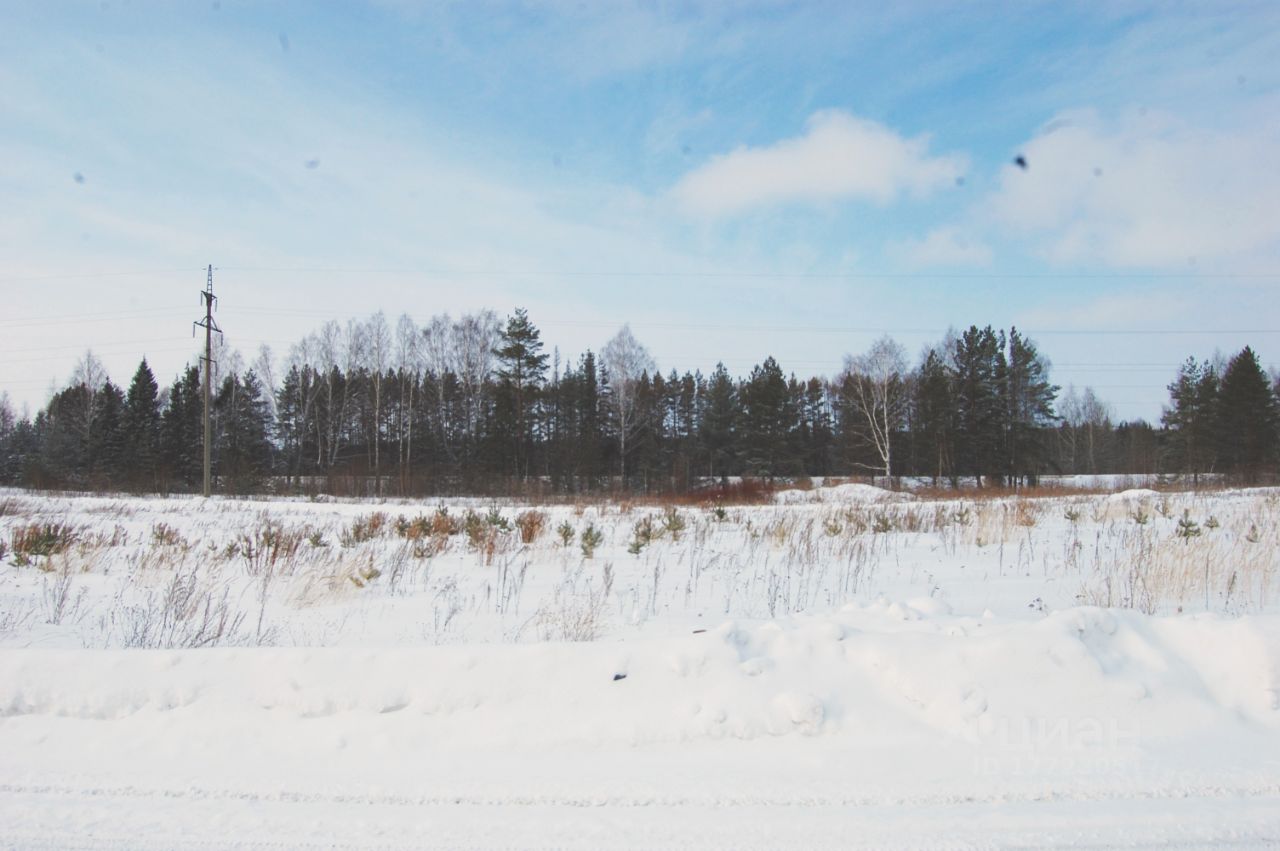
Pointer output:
x,y
847,667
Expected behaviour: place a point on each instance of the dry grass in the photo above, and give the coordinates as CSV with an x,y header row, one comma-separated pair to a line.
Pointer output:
x,y
42,539
531,523
765,561
1222,569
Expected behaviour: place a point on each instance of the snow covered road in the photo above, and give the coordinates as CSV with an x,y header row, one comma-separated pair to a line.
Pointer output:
x,y
196,819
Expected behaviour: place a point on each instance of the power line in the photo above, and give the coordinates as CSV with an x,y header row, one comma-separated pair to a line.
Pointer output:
x,y
672,274
60,276
113,316
797,329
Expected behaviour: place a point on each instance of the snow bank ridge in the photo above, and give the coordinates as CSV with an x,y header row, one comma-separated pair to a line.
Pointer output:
x,y
889,671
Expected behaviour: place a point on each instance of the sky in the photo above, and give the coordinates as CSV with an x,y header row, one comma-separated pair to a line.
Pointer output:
x,y
733,180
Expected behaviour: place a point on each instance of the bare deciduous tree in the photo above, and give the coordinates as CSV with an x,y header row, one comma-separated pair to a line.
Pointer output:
x,y
1085,416
436,349
377,343
625,362
876,381
90,373
408,370
265,366
7,417
474,337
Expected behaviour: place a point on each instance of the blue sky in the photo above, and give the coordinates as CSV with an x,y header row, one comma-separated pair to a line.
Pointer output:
x,y
734,180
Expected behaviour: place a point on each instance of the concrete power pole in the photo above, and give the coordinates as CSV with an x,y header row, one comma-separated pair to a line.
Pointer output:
x,y
210,327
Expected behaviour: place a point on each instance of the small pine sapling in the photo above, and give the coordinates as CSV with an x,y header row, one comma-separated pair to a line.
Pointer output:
x,y
590,538
1188,528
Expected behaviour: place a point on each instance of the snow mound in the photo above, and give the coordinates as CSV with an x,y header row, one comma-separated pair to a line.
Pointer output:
x,y
853,493
883,672
1133,495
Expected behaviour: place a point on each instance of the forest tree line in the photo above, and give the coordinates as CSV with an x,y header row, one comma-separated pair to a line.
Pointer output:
x,y
476,405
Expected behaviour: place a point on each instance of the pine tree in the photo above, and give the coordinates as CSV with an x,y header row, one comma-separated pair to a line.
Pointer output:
x,y
1192,418
522,366
769,422
1028,409
933,415
719,426
979,371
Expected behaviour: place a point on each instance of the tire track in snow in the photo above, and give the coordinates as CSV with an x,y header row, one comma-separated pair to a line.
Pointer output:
x,y
1010,797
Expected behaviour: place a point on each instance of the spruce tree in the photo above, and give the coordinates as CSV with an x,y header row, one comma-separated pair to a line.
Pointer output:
x,y
110,461
142,429
182,432
1247,420
243,446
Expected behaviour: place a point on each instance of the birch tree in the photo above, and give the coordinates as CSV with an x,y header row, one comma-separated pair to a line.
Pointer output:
x,y
625,361
877,383
408,371
474,338
377,347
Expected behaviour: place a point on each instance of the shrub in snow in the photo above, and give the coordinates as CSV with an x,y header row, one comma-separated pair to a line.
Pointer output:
x,y
673,522
164,535
1188,528
530,523
364,575
42,539
642,535
415,529
443,524
496,521
364,529
590,538
474,527
565,531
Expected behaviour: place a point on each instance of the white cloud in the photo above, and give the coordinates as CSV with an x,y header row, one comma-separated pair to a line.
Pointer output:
x,y
944,246
1146,190
840,156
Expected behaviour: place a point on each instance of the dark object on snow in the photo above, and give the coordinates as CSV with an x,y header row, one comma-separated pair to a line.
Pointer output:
x,y
1020,161
617,677
696,631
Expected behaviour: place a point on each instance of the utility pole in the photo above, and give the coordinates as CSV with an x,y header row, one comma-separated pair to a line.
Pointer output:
x,y
209,326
